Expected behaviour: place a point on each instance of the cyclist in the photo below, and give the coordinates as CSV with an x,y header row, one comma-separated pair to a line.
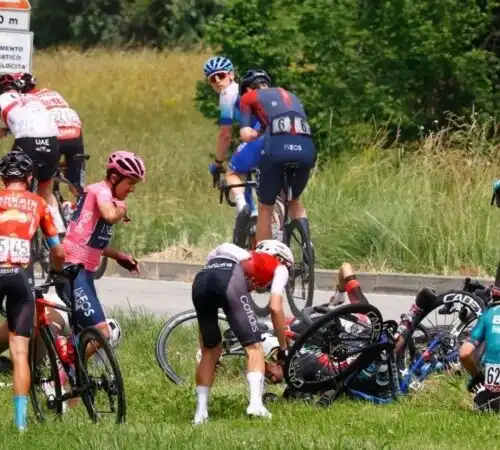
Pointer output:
x,y
89,232
480,357
35,133
226,280
219,71
287,139
70,128
21,212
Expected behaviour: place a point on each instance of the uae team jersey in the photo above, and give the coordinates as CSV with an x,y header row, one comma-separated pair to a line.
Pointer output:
x,y
88,233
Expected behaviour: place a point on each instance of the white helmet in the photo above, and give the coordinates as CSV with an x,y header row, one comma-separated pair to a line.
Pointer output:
x,y
115,332
269,344
276,248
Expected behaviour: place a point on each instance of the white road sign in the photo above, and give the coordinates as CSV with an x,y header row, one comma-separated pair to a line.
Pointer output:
x,y
15,51
14,20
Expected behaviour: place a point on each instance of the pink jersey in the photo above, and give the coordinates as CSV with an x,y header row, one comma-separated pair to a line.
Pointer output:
x,y
88,233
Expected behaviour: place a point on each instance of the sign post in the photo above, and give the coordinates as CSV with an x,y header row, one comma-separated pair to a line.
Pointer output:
x,y
16,41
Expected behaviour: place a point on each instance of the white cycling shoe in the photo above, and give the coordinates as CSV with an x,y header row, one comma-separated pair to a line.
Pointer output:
x,y
200,418
258,411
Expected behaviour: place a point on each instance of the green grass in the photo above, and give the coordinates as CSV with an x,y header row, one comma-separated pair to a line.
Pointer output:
x,y
381,209
159,415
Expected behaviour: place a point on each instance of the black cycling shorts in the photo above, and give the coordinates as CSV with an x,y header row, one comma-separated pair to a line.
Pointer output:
x,y
20,306
44,150
221,284
487,401
69,148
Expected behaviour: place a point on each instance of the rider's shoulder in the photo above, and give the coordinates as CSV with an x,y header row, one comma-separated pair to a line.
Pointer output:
x,y
231,92
229,250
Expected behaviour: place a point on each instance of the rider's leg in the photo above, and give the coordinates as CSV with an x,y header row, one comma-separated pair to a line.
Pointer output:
x,y
45,191
269,188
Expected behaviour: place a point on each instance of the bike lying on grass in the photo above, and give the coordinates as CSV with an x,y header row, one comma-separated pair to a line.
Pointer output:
x,y
300,288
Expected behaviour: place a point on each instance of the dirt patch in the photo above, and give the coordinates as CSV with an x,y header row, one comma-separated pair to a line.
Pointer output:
x,y
178,253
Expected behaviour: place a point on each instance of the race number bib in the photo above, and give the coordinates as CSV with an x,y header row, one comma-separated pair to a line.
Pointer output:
x,y
14,250
492,377
65,117
289,125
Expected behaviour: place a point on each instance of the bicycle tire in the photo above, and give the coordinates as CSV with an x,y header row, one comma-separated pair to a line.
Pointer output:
x,y
308,252
417,324
335,314
161,342
101,269
47,341
93,334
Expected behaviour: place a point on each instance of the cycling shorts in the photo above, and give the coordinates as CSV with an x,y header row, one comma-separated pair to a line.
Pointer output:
x,y
74,171
246,156
20,306
221,284
88,308
44,150
278,151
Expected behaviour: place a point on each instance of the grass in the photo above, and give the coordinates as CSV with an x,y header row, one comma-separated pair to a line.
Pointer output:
x,y
381,209
159,414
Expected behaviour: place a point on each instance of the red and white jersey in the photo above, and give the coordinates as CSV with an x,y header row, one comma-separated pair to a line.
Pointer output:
x,y
261,268
25,116
67,119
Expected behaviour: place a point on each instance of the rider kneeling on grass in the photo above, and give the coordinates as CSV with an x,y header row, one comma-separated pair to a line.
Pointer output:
x,y
100,207
226,280
313,364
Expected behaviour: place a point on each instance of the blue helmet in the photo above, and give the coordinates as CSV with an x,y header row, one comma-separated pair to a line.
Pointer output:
x,y
217,64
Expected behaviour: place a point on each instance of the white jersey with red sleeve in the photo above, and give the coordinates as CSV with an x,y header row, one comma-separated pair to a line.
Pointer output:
x,y
67,119
25,116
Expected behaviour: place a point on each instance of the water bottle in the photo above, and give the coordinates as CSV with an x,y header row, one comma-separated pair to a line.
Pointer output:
x,y
383,370
67,210
65,349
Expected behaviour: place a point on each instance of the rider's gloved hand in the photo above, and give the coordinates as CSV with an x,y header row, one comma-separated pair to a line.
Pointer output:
x,y
216,168
128,262
475,382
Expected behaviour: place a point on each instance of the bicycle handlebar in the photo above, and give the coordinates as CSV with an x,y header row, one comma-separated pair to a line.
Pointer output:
x,y
225,189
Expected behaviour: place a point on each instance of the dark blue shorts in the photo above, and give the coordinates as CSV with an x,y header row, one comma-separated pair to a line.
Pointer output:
x,y
89,311
278,151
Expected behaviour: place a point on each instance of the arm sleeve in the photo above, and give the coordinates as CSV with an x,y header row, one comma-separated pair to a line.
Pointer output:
x,y
246,105
46,221
280,279
478,333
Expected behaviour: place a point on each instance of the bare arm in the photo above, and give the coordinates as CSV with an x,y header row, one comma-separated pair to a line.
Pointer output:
x,y
112,211
223,142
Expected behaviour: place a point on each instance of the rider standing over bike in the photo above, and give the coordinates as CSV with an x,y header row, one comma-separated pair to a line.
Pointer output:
x,y
90,230
35,133
226,281
70,128
287,139
21,212
219,72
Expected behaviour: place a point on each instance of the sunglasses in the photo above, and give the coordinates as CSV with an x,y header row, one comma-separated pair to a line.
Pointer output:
x,y
218,77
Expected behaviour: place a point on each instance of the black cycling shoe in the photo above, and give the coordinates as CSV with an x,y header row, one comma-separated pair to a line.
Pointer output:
x,y
240,226
291,394
5,365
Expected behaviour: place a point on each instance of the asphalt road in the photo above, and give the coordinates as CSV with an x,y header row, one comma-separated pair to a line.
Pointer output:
x,y
166,298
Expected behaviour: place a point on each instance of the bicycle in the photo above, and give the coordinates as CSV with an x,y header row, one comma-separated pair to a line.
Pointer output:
x,y
41,252
284,229
354,344
69,361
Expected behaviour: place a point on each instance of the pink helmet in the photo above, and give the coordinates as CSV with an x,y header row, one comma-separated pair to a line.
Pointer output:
x,y
127,164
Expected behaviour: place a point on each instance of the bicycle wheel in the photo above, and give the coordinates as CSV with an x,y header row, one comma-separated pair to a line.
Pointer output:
x,y
102,268
45,387
447,325
180,334
322,355
111,382
300,294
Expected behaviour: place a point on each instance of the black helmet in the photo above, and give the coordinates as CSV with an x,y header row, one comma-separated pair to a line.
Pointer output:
x,y
16,164
252,78
29,82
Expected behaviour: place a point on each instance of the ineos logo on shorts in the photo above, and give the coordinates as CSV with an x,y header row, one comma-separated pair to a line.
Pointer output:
x,y
249,312
83,302
293,148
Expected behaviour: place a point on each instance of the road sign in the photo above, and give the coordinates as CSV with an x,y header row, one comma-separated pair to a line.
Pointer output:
x,y
15,51
15,15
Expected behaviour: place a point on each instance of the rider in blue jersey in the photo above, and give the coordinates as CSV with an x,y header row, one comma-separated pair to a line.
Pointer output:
x,y
485,375
219,72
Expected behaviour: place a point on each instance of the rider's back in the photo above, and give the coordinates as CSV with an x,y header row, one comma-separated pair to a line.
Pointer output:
x,y
487,330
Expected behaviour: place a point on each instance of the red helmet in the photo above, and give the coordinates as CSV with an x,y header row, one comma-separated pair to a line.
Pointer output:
x,y
259,268
127,164
11,81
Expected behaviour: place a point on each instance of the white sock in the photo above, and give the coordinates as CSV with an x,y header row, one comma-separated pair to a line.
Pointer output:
x,y
58,222
256,385
240,202
202,393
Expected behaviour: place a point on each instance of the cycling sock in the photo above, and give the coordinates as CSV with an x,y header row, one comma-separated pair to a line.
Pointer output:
x,y
202,393
256,385
20,410
240,202
58,222
353,290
